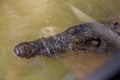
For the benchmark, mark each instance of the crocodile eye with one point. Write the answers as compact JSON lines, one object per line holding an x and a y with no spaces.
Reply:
{"x":77,"y":42}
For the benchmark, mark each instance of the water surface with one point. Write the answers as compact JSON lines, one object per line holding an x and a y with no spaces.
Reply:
{"x":26,"y":20}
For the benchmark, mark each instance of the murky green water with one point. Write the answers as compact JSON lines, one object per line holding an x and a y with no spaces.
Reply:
{"x":26,"y":20}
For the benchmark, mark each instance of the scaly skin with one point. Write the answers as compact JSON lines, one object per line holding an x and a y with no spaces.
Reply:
{"x":81,"y":37}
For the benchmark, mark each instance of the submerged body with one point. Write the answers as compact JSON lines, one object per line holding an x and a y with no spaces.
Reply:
{"x":81,"y":37}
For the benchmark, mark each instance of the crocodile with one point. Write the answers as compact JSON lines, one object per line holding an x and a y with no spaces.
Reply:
{"x":76,"y":38}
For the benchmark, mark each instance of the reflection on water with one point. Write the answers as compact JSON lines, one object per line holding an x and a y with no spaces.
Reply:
{"x":25,"y":20}
{"x":83,"y":17}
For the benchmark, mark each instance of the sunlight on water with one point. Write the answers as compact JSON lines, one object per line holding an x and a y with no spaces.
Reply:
{"x":27,"y":20}
{"x":81,"y":15}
